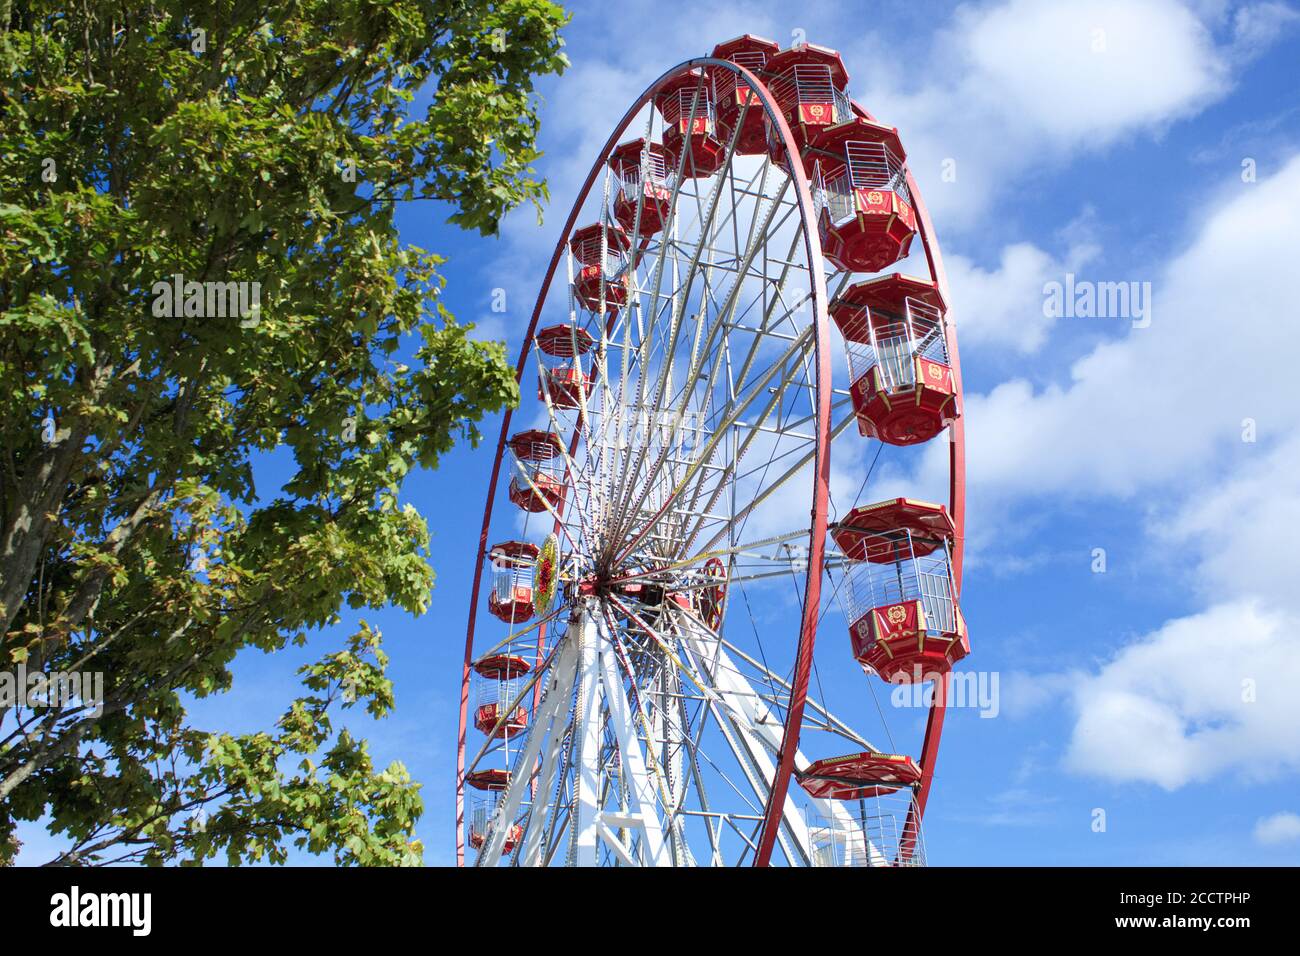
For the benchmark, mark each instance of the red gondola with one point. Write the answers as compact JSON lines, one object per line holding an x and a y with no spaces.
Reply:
{"x":538,"y":476}
{"x":735,"y":102}
{"x":904,"y":620}
{"x":511,"y":597}
{"x":865,"y":210}
{"x":897,"y":342}
{"x":690,"y":124}
{"x":808,"y":82}
{"x":644,"y":173}
{"x":859,"y":776}
{"x":564,"y":374}
{"x":601,"y":252}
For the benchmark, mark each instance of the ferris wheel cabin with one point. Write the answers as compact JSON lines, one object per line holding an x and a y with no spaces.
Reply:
{"x":644,"y":174}
{"x":601,"y":252}
{"x":482,"y":810}
{"x":499,"y":679}
{"x":905,"y":624}
{"x":858,"y":776}
{"x":537,"y":483}
{"x":900,"y":375}
{"x":734,"y":101}
{"x":865,"y":210}
{"x":690,"y":124}
{"x":808,"y":83}
{"x":511,"y":597}
{"x":564,"y":376}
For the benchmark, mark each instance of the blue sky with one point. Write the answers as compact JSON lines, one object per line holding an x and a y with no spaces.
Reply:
{"x":1103,"y":139}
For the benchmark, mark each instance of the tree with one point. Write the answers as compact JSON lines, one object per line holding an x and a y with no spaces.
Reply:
{"x":199,"y":264}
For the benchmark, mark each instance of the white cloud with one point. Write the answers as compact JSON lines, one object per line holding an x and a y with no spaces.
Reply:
{"x":1204,"y":697}
{"x":489,"y":327}
{"x":1015,"y":89}
{"x":1149,"y":408}
{"x":1024,"y":694}
{"x":1090,"y":70}
{"x":1238,"y":532}
{"x":1279,"y":828}
{"x":1158,"y":412}
{"x":1003,"y":307}
{"x":1257,"y":26}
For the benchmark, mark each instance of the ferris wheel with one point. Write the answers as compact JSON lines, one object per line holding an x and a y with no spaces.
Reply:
{"x":661,"y":546}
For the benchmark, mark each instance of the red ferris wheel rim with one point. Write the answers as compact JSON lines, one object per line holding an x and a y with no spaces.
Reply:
{"x":799,"y":685}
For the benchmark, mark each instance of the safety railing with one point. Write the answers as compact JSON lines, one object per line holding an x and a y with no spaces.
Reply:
{"x":810,"y":83}
{"x":873,"y":831}
{"x":894,"y":341}
{"x":895,"y":572}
